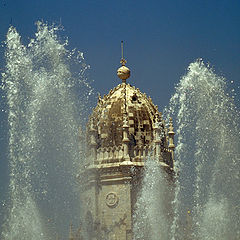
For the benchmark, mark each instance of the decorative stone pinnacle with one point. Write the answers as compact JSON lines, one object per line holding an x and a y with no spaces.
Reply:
{"x":170,"y":126}
{"x":171,"y":135}
{"x":125,"y":120}
{"x":99,"y":97}
{"x":92,"y":127}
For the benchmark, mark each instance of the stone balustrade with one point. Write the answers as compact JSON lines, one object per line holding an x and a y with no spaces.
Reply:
{"x":141,"y":152}
{"x":110,"y":154}
{"x":116,"y":154}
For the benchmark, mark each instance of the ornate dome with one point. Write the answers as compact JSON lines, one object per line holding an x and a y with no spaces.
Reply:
{"x":125,"y":108}
{"x":109,"y":115}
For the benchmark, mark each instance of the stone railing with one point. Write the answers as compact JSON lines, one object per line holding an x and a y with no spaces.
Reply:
{"x":110,"y":154}
{"x":115,"y":154}
{"x":141,"y":152}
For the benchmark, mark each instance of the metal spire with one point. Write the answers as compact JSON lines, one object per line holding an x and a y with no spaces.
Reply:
{"x":123,"y":61}
{"x":123,"y":72}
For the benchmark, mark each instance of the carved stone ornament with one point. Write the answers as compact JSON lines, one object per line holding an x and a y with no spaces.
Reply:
{"x":112,"y":199}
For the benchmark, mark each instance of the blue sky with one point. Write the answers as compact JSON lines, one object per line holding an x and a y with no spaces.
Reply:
{"x":161,"y":39}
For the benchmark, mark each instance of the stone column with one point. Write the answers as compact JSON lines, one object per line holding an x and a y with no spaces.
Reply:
{"x":171,"y":133}
{"x":157,"y":138}
{"x":93,"y":143}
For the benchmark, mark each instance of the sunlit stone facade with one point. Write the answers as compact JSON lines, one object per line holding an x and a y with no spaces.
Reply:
{"x":123,"y":129}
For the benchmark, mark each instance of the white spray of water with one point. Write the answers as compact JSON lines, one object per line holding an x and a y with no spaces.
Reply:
{"x":44,"y":144}
{"x":207,"y":155}
{"x":152,"y":216}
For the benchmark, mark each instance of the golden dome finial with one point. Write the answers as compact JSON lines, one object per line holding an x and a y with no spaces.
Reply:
{"x":123,"y":72}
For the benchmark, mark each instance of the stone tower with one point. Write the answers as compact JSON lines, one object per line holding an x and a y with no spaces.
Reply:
{"x":123,"y":129}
